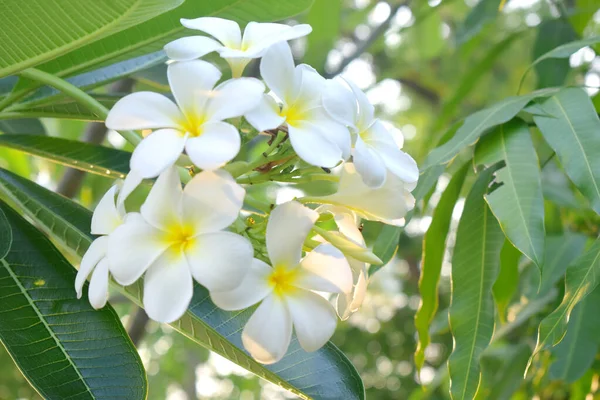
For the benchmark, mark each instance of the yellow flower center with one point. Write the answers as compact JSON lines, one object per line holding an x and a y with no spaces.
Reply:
{"x":179,"y":237}
{"x":193,"y":123}
{"x":282,"y":279}
{"x":293,"y":115}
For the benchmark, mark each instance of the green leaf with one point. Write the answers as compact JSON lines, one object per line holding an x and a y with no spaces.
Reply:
{"x":323,"y":374}
{"x":484,"y":12}
{"x":431,"y":265}
{"x":63,"y":108}
{"x":519,"y":203}
{"x":502,"y":371}
{"x":427,"y":34}
{"x":559,"y":253}
{"x":585,"y":11}
{"x":552,"y":34}
{"x":5,"y":235}
{"x":87,"y":157}
{"x":324,"y":17}
{"x":475,"y":265}
{"x":508,"y":279}
{"x":385,"y":245}
{"x":577,"y":351}
{"x":581,"y":279}
{"x":37,"y":31}
{"x":47,"y":330}
{"x":28,"y":126}
{"x":571,"y":129}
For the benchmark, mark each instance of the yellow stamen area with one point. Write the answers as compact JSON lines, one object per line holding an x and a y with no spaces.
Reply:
{"x":292,"y":115}
{"x":282,"y":279}
{"x":179,"y":237}
{"x":193,"y":123}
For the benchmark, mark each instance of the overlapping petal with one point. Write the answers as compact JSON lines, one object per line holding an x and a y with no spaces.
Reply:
{"x":191,"y":47}
{"x":192,"y":84}
{"x":325,"y":269}
{"x":98,"y":290}
{"x":144,"y":110}
{"x":106,"y":217}
{"x":218,"y":144}
{"x":266,"y":115}
{"x":162,"y":207}
{"x":226,"y":31}
{"x":96,"y":252}
{"x":369,"y":165}
{"x":313,"y":146}
{"x":250,"y":291}
{"x":278,"y":71}
{"x":313,"y":317}
{"x":157,"y":152}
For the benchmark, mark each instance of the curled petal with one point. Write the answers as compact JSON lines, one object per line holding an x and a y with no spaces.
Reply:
{"x":325,"y":269}
{"x":132,"y":181}
{"x":162,"y":207}
{"x":157,"y":152}
{"x":340,"y":103}
{"x":144,"y":110}
{"x":369,"y":165}
{"x":366,"y":111}
{"x":226,"y":31}
{"x":259,"y":36}
{"x":313,"y":317}
{"x":91,"y":258}
{"x":106,"y":217}
{"x":266,"y":115}
{"x":234,"y":98}
{"x":253,"y":289}
{"x":312,"y":146}
{"x":191,"y":47}
{"x":191,"y":83}
{"x":98,"y":290}
{"x":218,"y":144}
{"x":333,"y":131}
{"x":348,"y":303}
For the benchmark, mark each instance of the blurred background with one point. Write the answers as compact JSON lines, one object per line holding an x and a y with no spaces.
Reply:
{"x":424,"y":64}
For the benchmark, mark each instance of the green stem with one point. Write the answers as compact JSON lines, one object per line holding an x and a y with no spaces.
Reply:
{"x":263,"y":206}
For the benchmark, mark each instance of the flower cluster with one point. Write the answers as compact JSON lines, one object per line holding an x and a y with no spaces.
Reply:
{"x":305,"y":267}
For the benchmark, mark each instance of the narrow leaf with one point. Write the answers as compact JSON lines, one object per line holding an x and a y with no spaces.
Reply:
{"x":503,"y":368}
{"x":28,"y":126}
{"x":63,"y":108}
{"x":5,"y":235}
{"x":475,"y":265}
{"x":560,"y":252}
{"x":552,"y":34}
{"x":508,"y":279}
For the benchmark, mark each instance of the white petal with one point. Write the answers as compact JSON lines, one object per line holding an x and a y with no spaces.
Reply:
{"x":369,"y":164}
{"x":287,"y":229}
{"x":191,"y":83}
{"x":366,"y":110}
{"x":400,"y":163}
{"x":228,"y":32}
{"x":143,"y":110}
{"x":312,"y":146}
{"x":234,"y":98}
{"x":98,"y":290}
{"x":333,"y":131}
{"x":212,"y":201}
{"x":218,"y":144}
{"x":265,"y":115}
{"x":162,"y":207}
{"x":278,"y":71}
{"x":311,"y":88}
{"x":91,"y":258}
{"x":106,"y":217}
{"x":132,"y":181}
{"x":339,"y":101}
{"x":268,"y":332}
{"x":314,"y":319}
{"x":259,"y":36}
{"x":168,"y":288}
{"x":253,"y":289}
{"x":132,"y":248}
{"x":219,"y":261}
{"x":348,"y":303}
{"x":157,"y":152}
{"x":325,"y":269}
{"x":191,"y":47}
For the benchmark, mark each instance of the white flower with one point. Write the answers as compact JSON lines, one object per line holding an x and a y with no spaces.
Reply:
{"x":286,"y":289}
{"x":387,"y":204}
{"x":235,"y":49}
{"x":375,"y":150}
{"x":195,"y":123}
{"x":314,"y":135}
{"x":107,"y":216}
{"x":179,"y":235}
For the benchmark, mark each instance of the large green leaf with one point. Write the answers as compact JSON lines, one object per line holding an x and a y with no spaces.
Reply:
{"x":559,"y":253}
{"x":502,"y":371}
{"x":37,"y":31}
{"x":324,"y":374}
{"x":87,"y":157}
{"x":581,"y":279}
{"x":577,"y":351}
{"x":519,"y":203}
{"x":64,"y":347}
{"x":475,"y":265}
{"x":552,"y":34}
{"x":508,"y":278}
{"x":62,"y":107}
{"x":28,"y":126}
{"x":5,"y":235}
{"x":433,"y":255}
{"x":570,"y":126}
{"x":385,"y":246}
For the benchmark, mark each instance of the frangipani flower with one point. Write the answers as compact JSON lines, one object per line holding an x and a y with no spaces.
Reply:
{"x":238,"y":51}
{"x":315,"y":136}
{"x":286,"y":289}
{"x":194,"y":123}
{"x":107,"y":216}
{"x":387,"y":204}
{"x":179,"y":235}
{"x":375,"y":151}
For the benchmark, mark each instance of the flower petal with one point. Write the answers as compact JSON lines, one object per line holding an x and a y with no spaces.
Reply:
{"x":312,"y":146}
{"x":157,"y":152}
{"x":369,"y":164}
{"x":268,"y":332}
{"x":132,"y":248}
{"x":348,"y":303}
{"x":311,"y":88}
{"x":265,"y":115}
{"x":132,"y":181}
{"x":325,"y":269}
{"x":218,"y":144}
{"x":219,"y":261}
{"x":191,"y":47}
{"x":366,"y":111}
{"x":278,"y":71}
{"x":340,"y":103}
{"x":191,"y":83}
{"x":91,"y":258}
{"x":253,"y":289}
{"x":168,"y":288}
{"x":162,"y":207}
{"x":234,"y":98}
{"x":287,"y":229}
{"x":98,"y":290}
{"x":106,"y":217}
{"x":212,"y":201}
{"x":333,"y":131}
{"x":259,"y":36}
{"x":314,"y":319}
{"x":226,"y":31}
{"x":144,"y":110}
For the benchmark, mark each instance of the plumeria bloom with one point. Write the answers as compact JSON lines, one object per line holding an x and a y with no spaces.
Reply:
{"x":286,"y":290}
{"x":179,"y":235}
{"x":238,"y":51}
{"x":107,"y":216}
{"x":375,"y":151}
{"x":315,"y":136}
{"x":195,"y":123}
{"x":388,"y":204}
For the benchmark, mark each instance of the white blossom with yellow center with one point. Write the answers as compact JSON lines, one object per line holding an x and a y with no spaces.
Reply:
{"x":179,"y":235}
{"x":286,"y":291}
